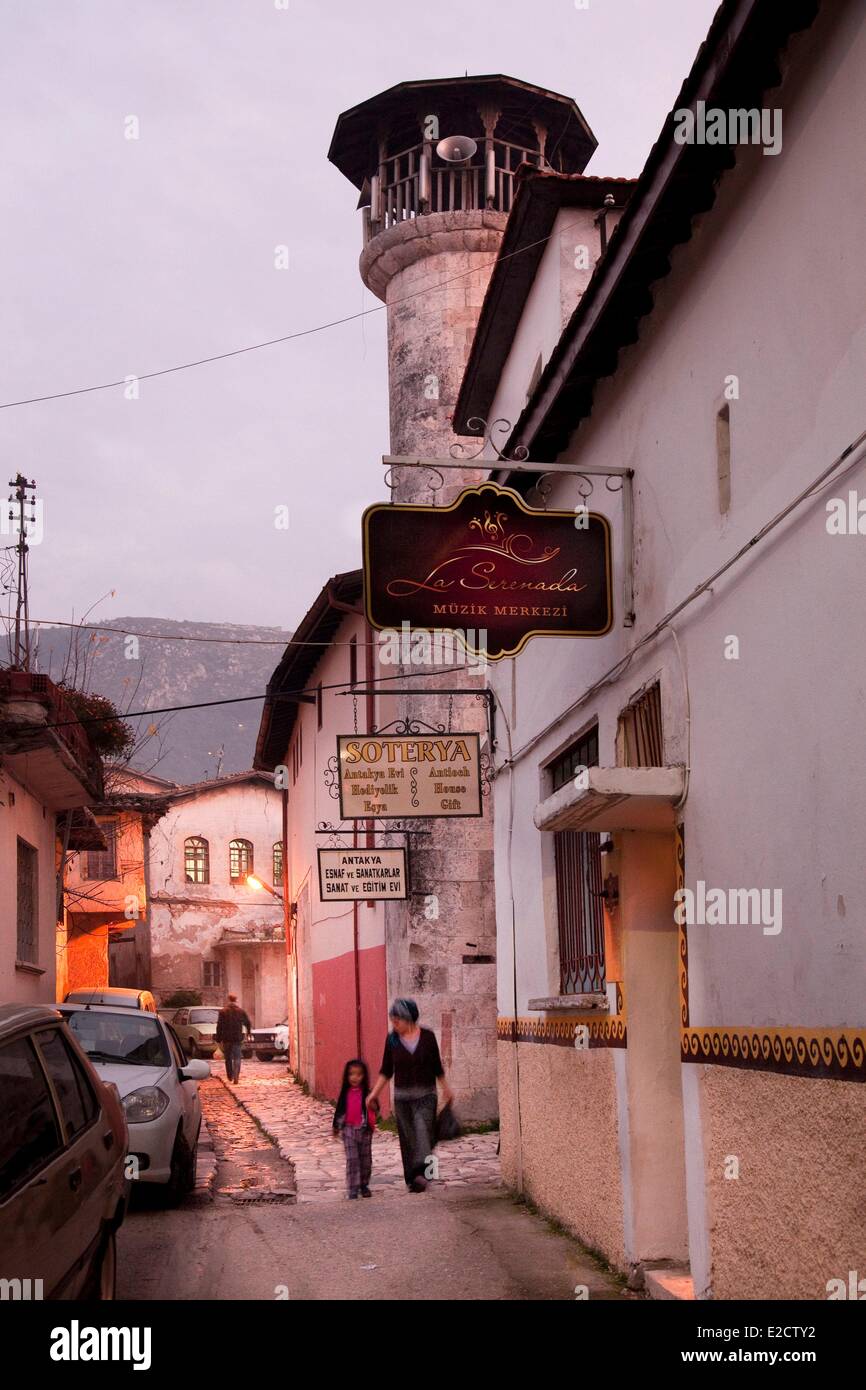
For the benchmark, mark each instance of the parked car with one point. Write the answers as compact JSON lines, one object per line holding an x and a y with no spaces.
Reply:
{"x":120,"y":998}
{"x":196,"y":1028}
{"x":143,"y":1057}
{"x":63,"y":1138}
{"x":269,"y":1043}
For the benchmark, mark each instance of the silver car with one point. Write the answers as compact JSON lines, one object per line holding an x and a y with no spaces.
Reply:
{"x":63,"y":1187}
{"x":158,"y":1088}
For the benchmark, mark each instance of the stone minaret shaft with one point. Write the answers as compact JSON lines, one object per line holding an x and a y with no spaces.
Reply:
{"x":434,"y":209}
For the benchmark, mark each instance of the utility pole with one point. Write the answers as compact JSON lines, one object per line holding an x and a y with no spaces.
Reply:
{"x":19,"y":499}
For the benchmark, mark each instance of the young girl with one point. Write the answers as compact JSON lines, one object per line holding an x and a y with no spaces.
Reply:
{"x":356,"y":1124}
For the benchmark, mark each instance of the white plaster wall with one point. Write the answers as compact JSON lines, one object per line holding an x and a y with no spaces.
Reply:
{"x":552,"y":299}
{"x":769,"y":290}
{"x":35,"y":824}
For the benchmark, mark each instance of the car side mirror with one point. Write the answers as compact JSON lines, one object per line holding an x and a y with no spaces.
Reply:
{"x":196,"y":1070}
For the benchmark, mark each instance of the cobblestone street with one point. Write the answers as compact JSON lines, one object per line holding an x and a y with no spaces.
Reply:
{"x":268,"y":1219}
{"x":300,"y":1126}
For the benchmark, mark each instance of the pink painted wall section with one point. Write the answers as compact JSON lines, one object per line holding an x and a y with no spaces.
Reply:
{"x":334,"y":1015}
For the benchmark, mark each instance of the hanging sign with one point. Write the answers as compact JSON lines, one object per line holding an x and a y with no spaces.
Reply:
{"x":346,"y":874}
{"x":399,"y":775}
{"x":488,"y":568}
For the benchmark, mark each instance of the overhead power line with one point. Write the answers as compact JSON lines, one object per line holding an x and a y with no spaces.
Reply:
{"x":269,"y":342}
{"x":245,"y":699}
{"x":178,"y":637}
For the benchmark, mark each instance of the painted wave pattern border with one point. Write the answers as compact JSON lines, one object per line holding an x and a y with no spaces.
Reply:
{"x":834,"y":1054}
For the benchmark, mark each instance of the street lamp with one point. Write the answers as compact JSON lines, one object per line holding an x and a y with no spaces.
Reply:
{"x":253,"y":882}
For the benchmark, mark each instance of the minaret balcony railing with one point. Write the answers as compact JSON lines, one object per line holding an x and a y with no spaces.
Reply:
{"x":415,"y":182}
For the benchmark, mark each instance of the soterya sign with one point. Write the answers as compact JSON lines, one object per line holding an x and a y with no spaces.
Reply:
{"x":490,"y":568}
{"x":409,"y":775}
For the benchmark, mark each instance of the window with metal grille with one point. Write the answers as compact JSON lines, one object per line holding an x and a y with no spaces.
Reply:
{"x":639,"y":737}
{"x":28,"y":898}
{"x":584,"y":753}
{"x":196,"y":859}
{"x":278,"y":863}
{"x":240,"y":860}
{"x":579,"y":911}
{"x":213,"y":974}
{"x":102,"y":863}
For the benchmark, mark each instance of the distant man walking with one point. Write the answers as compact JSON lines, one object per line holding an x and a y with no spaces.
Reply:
{"x":229,"y":1035}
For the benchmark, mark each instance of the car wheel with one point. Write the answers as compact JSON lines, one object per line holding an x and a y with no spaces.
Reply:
{"x":184,"y":1161}
{"x":191,"y":1050}
{"x":103,"y":1273}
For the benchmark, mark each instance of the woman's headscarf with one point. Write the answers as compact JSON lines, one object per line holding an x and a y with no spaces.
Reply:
{"x":406,"y":1009}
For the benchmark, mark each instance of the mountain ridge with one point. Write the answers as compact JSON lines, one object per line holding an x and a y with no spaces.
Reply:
{"x":184,"y":662}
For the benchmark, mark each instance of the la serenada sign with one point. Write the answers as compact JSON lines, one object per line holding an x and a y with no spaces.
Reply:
{"x":489,"y":568}
{"x":400,"y":776}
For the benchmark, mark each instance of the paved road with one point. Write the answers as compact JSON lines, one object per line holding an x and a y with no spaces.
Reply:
{"x":243,"y":1235}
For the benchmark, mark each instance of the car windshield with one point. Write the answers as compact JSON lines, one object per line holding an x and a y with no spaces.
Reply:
{"x":203,"y":1015}
{"x":133,"y":1039}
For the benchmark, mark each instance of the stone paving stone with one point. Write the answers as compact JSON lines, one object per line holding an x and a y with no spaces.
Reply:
{"x":300,"y":1126}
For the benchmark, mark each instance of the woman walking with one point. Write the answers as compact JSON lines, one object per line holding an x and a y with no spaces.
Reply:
{"x":412,"y":1059}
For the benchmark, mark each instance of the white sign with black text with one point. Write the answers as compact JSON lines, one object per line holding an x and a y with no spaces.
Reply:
{"x":347,"y":874}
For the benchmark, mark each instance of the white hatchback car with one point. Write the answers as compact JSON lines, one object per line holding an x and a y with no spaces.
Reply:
{"x":158,"y":1087}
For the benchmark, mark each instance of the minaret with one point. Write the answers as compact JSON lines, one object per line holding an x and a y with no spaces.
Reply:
{"x":435,"y":163}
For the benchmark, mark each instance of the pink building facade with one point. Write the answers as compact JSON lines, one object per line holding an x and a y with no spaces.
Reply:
{"x":337,"y":972}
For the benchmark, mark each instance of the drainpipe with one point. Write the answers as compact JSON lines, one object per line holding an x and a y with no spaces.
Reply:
{"x":61,"y":872}
{"x":356,"y":610}
{"x":291,"y":943}
{"x":61,"y":915}
{"x":144,"y":940}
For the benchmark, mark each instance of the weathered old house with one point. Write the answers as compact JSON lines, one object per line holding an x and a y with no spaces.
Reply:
{"x":211,"y":930}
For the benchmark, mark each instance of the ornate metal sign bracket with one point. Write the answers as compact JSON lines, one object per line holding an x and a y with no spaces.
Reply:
{"x":336,"y":832}
{"x":411,"y":725}
{"x":616,"y":480}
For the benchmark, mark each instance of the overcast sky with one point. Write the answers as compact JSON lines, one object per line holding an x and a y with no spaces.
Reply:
{"x":124,"y":256}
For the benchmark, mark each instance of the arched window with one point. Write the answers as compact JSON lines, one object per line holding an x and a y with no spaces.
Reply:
{"x":196,"y":857}
{"x":240,"y":860}
{"x":278,"y":863}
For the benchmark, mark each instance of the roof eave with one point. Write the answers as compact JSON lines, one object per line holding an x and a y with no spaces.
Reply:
{"x":671,"y":169}
{"x":541,"y":195}
{"x":297,"y":663}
